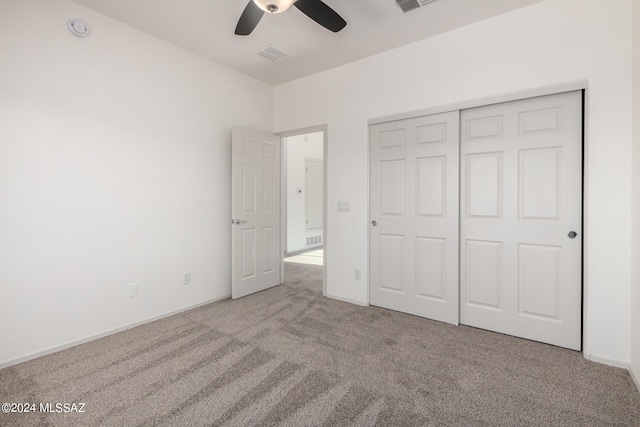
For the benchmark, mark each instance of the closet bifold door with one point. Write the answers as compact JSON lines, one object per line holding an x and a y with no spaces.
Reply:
{"x":521,"y":218}
{"x":414,"y":216}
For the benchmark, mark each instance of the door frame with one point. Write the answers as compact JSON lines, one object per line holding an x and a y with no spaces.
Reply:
{"x":581,"y":85}
{"x":283,"y":194}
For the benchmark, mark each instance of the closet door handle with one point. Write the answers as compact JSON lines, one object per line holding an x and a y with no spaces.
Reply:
{"x":572,"y":234}
{"x":374,"y":223}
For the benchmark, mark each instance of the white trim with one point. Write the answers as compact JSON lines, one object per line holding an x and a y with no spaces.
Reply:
{"x":283,"y":203}
{"x":325,"y":201}
{"x":69,"y":344}
{"x":606,"y":361}
{"x":634,"y":376}
{"x":349,"y":300}
{"x":368,"y":239}
{"x":481,"y":102}
{"x":586,"y":253}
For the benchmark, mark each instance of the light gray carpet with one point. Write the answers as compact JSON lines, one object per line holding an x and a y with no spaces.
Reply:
{"x":288,"y":356}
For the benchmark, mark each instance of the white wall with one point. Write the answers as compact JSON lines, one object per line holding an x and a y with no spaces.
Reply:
{"x":553,"y":42}
{"x":299,"y":148}
{"x":635,"y":278}
{"x":114,"y":168}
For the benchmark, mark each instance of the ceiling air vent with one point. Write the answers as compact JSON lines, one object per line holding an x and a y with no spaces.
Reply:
{"x":409,"y":5}
{"x":272,"y":53}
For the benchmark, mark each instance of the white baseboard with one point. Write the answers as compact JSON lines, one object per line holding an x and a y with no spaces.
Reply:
{"x":83,"y":340}
{"x":606,"y":361}
{"x":349,"y":300}
{"x":634,"y":376}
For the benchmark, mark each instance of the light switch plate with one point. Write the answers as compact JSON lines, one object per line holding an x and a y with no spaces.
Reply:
{"x":344,"y":207}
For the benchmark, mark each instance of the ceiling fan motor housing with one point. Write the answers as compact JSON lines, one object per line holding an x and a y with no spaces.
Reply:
{"x":274,"y":6}
{"x":314,"y":9}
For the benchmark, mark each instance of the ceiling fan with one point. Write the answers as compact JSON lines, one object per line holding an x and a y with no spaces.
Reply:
{"x":314,"y":9}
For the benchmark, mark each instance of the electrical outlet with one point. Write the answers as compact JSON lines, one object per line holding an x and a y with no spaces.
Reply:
{"x":187,"y":278}
{"x":357,"y":275}
{"x":133,"y":290}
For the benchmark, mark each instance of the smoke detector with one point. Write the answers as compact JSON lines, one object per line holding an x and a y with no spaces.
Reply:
{"x":78,"y":27}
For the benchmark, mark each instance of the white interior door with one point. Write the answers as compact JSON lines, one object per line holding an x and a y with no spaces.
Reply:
{"x":255,"y":212}
{"x":521,"y":202}
{"x":414,"y":236}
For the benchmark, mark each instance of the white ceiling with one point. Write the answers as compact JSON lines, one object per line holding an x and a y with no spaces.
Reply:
{"x":207,"y":27}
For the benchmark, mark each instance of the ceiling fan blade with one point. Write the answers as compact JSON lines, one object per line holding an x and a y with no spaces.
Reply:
{"x":322,"y":14}
{"x":249,"y":19}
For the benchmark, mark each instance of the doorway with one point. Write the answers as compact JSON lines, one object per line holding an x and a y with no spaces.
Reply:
{"x":304,"y":212}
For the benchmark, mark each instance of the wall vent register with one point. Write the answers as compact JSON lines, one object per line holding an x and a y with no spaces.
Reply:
{"x":409,"y":5}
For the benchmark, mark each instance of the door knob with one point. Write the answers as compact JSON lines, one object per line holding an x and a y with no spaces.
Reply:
{"x":572,"y":234}
{"x":238,"y":222}
{"x":374,"y":223}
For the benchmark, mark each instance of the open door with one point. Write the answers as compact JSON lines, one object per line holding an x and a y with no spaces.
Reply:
{"x":255,"y":212}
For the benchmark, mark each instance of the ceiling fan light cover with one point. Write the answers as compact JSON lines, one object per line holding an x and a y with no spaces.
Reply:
{"x":274,"y":6}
